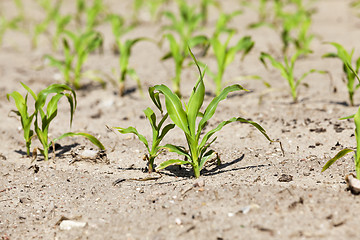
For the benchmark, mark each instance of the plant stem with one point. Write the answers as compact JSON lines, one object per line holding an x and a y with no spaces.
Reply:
{"x":151,"y":163}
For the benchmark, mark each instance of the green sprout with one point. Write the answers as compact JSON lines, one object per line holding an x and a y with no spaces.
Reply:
{"x":124,"y":48}
{"x":153,"y":6}
{"x":83,"y":44}
{"x":299,"y":21}
{"x":345,"y":151}
{"x":186,"y":120}
{"x":186,"y":23}
{"x":157,"y":134}
{"x":204,"y":8}
{"x":25,"y":118}
{"x":349,"y":70}
{"x":13,"y":23}
{"x":94,"y":14}
{"x":45,"y":114}
{"x":225,"y":55}
{"x":287,"y":70}
{"x":179,"y":53}
{"x":51,"y":13}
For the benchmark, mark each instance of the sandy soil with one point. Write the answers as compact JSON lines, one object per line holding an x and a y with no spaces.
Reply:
{"x":244,"y":198}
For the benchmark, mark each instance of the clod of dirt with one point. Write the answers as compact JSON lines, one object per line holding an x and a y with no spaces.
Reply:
{"x":338,"y":128}
{"x":353,"y":183}
{"x":89,"y":155}
{"x":285,"y":178}
{"x":294,"y":204}
{"x":318,"y":130}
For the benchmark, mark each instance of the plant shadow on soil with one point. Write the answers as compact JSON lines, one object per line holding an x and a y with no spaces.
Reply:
{"x":61,"y":149}
{"x":178,"y":171}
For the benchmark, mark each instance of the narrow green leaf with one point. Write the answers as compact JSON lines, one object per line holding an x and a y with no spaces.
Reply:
{"x":90,"y":137}
{"x":177,"y":149}
{"x":171,"y":162}
{"x":210,"y":110}
{"x":134,"y":131}
{"x":174,"y":108}
{"x":337,"y":156}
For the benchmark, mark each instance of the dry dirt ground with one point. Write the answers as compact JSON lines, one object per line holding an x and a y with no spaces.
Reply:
{"x":257,"y":193}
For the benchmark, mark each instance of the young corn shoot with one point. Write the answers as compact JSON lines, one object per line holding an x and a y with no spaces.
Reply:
{"x":186,"y":119}
{"x":124,"y":48}
{"x":25,"y":117}
{"x":178,"y":52}
{"x":71,"y":66}
{"x":157,"y":135}
{"x":287,"y":70}
{"x":225,"y":55}
{"x":51,"y":13}
{"x":345,"y":151}
{"x":45,"y":114}
{"x":350,"y":71}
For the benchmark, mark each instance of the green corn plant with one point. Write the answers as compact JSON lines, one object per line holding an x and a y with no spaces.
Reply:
{"x":345,"y":151}
{"x":157,"y":136}
{"x":349,"y":70}
{"x":71,"y":66}
{"x":223,"y":21}
{"x":51,"y":13}
{"x":124,"y":47}
{"x":178,"y":53}
{"x":25,"y":117}
{"x":186,"y":23}
{"x":292,"y":22}
{"x":186,"y":119}
{"x":287,"y":70}
{"x":264,"y":14}
{"x":225,"y":55}
{"x":94,"y":14}
{"x":6,"y":24}
{"x":204,"y":8}
{"x":152,"y":6}
{"x":45,"y":114}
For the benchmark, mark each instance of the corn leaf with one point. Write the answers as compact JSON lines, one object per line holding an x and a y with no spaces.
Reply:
{"x":134,"y":131}
{"x":171,"y":162}
{"x":337,"y":156}
{"x":174,"y":108}
{"x":90,"y":137}
{"x":211,"y":108}
{"x":177,"y":149}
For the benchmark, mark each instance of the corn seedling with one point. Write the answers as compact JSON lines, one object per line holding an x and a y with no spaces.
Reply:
{"x":13,"y":23}
{"x":345,"y":151}
{"x":186,"y":119}
{"x":152,"y":6}
{"x":94,"y":14}
{"x":124,"y":48}
{"x":287,"y":70}
{"x":350,"y":71}
{"x":83,"y":44}
{"x":178,"y":52}
{"x":204,"y":8}
{"x":51,"y":13}
{"x":157,"y":135}
{"x":45,"y":114}
{"x":25,"y":118}
{"x":299,"y":21}
{"x":225,"y":55}
{"x":6,"y":24}
{"x":263,"y":11}
{"x":186,"y":23}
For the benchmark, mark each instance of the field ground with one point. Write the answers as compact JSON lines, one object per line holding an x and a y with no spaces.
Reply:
{"x":257,"y":192}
